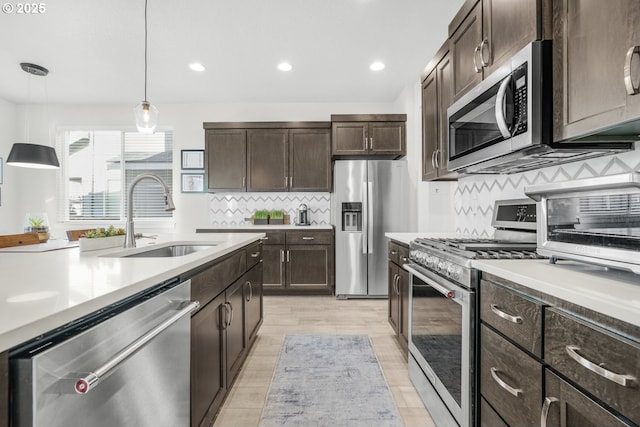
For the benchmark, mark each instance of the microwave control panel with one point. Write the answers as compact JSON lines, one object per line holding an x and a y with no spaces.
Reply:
{"x":519,"y":76}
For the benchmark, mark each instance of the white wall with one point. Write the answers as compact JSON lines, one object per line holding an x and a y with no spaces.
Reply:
{"x":10,"y":217}
{"x":38,"y":189}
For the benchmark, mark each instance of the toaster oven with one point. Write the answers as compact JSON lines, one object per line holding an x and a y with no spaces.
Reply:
{"x":594,"y":220}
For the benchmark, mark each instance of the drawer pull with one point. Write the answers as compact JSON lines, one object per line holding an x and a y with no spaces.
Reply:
{"x":255,"y":255}
{"x":623,"y":380}
{"x":264,"y":238}
{"x":544,"y":414}
{"x":510,"y":318}
{"x":308,"y":238}
{"x":514,"y":391}
{"x":405,"y":259}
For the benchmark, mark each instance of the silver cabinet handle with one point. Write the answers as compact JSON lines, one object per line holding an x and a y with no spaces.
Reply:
{"x":437,"y":162}
{"x":395,"y":282}
{"x":88,"y":382}
{"x":370,"y":143}
{"x":288,"y":256}
{"x":365,"y":144}
{"x":250,"y":286}
{"x":231,"y":316}
{"x":244,"y":181}
{"x":628,"y":80}
{"x":264,"y":238}
{"x":499,"y":108}
{"x":405,"y":259}
{"x":281,"y":255}
{"x":513,"y":391}
{"x":482,"y":61}
{"x":475,"y":59}
{"x":393,"y":253}
{"x":505,"y":316}
{"x":255,"y":255}
{"x":433,"y":161}
{"x":544,"y":414}
{"x":286,"y":182}
{"x":308,"y":238}
{"x":398,"y":278}
{"x":623,"y":380}
{"x":291,"y":182}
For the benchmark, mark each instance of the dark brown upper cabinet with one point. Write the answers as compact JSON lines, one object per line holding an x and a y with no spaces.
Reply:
{"x":355,"y":135}
{"x":310,"y":160}
{"x":267,"y":160}
{"x":268,"y":156}
{"x":484,"y":34}
{"x":436,"y":98}
{"x":596,"y":73}
{"x":226,"y":165}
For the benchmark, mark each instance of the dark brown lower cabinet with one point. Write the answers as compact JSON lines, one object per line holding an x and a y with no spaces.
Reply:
{"x":403,"y":284}
{"x":233,"y":317}
{"x":4,"y":389}
{"x":208,"y":383}
{"x":565,"y":406}
{"x":273,"y":272}
{"x":253,"y":303}
{"x":309,"y":266}
{"x":489,"y":417}
{"x":398,"y":291}
{"x":394,"y":296}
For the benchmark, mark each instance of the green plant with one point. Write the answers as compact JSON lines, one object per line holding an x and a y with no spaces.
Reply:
{"x":261,"y":214}
{"x":35,"y":222}
{"x":276,"y":214}
{"x":104,"y":232}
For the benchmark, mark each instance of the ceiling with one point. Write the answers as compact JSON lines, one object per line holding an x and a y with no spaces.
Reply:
{"x":95,"y":50}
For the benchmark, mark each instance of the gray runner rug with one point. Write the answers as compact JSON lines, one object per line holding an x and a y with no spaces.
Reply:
{"x":329,"y":380}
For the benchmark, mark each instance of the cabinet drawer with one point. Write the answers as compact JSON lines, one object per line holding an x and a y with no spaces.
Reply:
{"x":253,"y":254}
{"x":308,"y":237}
{"x":605,"y":364}
{"x":209,"y":283}
{"x":515,"y":315}
{"x":273,"y":238}
{"x":564,"y":402}
{"x":394,"y":252}
{"x":510,"y":380}
{"x":403,"y":255}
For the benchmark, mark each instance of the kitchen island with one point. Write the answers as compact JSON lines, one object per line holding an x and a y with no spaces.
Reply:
{"x":45,"y":291}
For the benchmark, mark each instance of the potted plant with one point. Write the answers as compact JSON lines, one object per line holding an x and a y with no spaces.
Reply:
{"x":37,"y":223}
{"x":276,"y":216}
{"x":102,"y":238}
{"x":261,"y":217}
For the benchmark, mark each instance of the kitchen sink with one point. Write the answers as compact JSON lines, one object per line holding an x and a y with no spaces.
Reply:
{"x":170,"y":251}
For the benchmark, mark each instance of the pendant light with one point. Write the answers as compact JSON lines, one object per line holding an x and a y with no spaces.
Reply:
{"x":33,"y":155}
{"x":145,"y":113}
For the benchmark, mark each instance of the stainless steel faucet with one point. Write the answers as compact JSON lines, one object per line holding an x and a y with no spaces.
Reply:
{"x":130,"y":240}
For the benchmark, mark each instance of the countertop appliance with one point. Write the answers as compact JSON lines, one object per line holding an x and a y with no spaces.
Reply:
{"x":594,"y":220}
{"x":504,"y":124}
{"x":370,"y":198}
{"x":443,"y":313}
{"x":125,"y":365}
{"x":303,"y":215}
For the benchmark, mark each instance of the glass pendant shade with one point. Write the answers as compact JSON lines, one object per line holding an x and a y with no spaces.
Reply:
{"x":146,"y":117}
{"x":33,"y":156}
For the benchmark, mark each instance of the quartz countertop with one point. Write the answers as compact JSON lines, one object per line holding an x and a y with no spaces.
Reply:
{"x":613,"y":293}
{"x":41,"y":291}
{"x":222,"y":228}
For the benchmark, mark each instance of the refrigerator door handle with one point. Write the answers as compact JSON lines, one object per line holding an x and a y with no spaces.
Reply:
{"x":370,"y":210}
{"x":365,"y":218}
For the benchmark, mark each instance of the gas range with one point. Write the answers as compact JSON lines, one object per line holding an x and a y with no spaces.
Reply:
{"x":515,"y":238}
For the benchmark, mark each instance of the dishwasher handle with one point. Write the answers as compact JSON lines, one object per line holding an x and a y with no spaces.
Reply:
{"x":91,"y":379}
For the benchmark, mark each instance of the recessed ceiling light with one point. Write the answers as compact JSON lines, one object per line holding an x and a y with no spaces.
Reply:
{"x":284,"y":66}
{"x":196,"y":66}
{"x":377,"y":66}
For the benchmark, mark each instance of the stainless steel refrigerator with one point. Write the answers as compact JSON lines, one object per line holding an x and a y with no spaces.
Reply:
{"x":369,"y":199}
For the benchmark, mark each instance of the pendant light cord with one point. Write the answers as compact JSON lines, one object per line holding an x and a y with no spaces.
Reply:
{"x":145,"y":50}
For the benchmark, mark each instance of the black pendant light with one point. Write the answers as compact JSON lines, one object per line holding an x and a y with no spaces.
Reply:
{"x":33,"y":155}
{"x":145,"y":113}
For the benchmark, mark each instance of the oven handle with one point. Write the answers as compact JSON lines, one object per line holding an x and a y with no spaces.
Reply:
{"x":501,"y":121}
{"x":449,"y":293}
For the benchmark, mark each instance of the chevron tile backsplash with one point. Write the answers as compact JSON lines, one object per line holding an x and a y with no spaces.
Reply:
{"x":233,"y":208}
{"x":475,"y":195}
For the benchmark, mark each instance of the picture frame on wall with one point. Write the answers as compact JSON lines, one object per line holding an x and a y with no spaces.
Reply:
{"x":192,"y":159}
{"x":192,"y":183}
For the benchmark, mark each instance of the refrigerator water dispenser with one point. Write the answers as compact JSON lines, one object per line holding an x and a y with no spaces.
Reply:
{"x":352,"y":216}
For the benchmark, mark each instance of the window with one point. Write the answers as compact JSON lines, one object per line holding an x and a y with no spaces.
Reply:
{"x":100,"y":165}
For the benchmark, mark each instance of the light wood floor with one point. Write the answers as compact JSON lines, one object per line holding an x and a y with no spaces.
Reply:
{"x":318,"y":315}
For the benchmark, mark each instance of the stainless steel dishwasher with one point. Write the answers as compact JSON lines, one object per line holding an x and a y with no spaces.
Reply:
{"x":126,"y":365}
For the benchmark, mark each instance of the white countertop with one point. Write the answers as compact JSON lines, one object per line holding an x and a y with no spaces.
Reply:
{"x":406,"y":238}
{"x":268,"y":227}
{"x":614,"y":293}
{"x":41,"y":291}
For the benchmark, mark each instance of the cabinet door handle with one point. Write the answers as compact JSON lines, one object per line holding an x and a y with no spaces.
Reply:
{"x":255,"y":255}
{"x":281,"y":255}
{"x":482,"y":45}
{"x":248,"y":285}
{"x":405,"y":259}
{"x":230,"y":317}
{"x":285,"y":182}
{"x":288,"y":256}
{"x":398,"y":284}
{"x":514,"y":391}
{"x":308,"y":238}
{"x":505,"y":316}
{"x":436,"y":155}
{"x":433,"y":161}
{"x":291,"y":182}
{"x":370,"y":143}
{"x":264,"y":238}
{"x":623,"y":380}
{"x":244,"y":181}
{"x":475,"y":59}
{"x":392,"y":253}
{"x":628,"y":80}
{"x":365,"y":144}
{"x":544,"y":414}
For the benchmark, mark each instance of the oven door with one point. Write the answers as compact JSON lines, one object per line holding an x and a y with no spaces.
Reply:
{"x":441,"y":339}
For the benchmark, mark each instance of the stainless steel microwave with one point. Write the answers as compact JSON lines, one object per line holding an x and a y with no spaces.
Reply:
{"x":505,"y":123}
